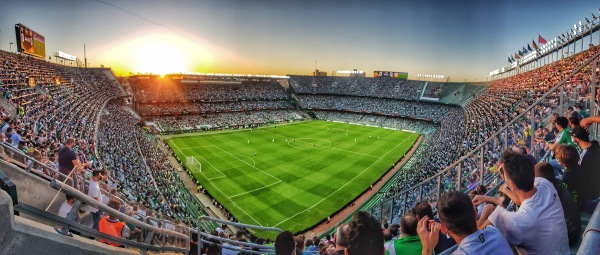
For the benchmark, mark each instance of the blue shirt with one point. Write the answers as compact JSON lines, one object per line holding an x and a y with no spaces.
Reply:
{"x":486,"y":241}
{"x":16,"y":139}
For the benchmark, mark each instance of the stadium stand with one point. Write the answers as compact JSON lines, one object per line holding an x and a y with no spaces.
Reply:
{"x":49,"y":110}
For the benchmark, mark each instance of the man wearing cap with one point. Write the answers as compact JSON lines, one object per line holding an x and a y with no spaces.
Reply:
{"x":589,"y":158}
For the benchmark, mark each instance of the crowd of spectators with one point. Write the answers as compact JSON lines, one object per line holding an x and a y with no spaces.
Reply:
{"x":382,"y":87}
{"x":224,"y":120}
{"x":141,"y":169}
{"x":420,"y":110}
{"x":418,"y":126}
{"x":433,"y":89}
{"x":54,"y":103}
{"x":196,"y":108}
{"x":170,"y":91}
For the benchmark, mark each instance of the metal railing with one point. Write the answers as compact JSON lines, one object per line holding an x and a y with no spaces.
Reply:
{"x":472,"y":164}
{"x":590,"y":243}
{"x":212,"y":240}
{"x":153,"y":239}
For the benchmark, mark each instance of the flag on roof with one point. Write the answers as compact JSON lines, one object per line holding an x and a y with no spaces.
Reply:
{"x":534,"y":45}
{"x":517,"y":56}
{"x":541,"y":39}
{"x":529,"y":47}
{"x":509,"y":61}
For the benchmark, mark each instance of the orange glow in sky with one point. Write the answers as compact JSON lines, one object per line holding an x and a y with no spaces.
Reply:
{"x":157,"y":54}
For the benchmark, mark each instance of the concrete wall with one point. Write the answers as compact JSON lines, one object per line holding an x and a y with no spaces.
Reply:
{"x":31,"y":189}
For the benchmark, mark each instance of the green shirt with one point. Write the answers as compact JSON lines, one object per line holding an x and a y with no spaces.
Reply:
{"x":565,"y":138}
{"x":406,"y":245}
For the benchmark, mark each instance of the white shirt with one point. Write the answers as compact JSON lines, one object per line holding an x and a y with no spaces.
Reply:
{"x":64,"y":210}
{"x":486,"y":241}
{"x":539,"y":225}
{"x":94,"y":192}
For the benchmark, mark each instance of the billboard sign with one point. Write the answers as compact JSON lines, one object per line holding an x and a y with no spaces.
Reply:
{"x":30,"y":42}
{"x":395,"y":75}
{"x":66,"y":56}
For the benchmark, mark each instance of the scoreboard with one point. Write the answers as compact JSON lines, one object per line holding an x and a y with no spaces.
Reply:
{"x":30,"y":42}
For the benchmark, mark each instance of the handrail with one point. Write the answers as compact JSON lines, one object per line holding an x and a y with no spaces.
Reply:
{"x":591,"y":235}
{"x":240,"y":224}
{"x":268,"y":248}
{"x":13,"y":149}
{"x":92,"y":202}
{"x":209,"y":236}
{"x":235,"y":248}
{"x":505,"y":127}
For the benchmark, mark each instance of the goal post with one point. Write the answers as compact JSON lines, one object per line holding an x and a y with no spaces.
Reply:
{"x":193,"y":164}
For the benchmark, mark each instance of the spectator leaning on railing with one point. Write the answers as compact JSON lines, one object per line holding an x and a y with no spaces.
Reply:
{"x":538,"y":227}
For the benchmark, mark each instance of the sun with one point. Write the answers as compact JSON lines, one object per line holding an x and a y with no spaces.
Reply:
{"x":159,"y":56}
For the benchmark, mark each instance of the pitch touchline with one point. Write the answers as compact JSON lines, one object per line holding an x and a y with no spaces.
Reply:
{"x":351,"y":180}
{"x":216,"y":187}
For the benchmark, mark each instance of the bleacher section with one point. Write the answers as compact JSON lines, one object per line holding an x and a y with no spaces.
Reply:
{"x":459,"y":151}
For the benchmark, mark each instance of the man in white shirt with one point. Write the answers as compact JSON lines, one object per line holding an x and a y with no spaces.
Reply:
{"x":65,"y":208}
{"x":459,"y":220}
{"x":538,"y":227}
{"x":94,"y":192}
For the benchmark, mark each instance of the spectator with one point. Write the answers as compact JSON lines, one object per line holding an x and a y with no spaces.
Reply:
{"x":65,"y":208}
{"x":341,"y":239}
{"x":562,"y":125}
{"x":573,"y":178}
{"x":395,"y":231}
{"x":589,"y":159}
{"x":67,"y":160}
{"x":310,"y":247}
{"x":423,"y":209}
{"x":364,"y":235}
{"x":409,"y":242}
{"x":285,"y":243}
{"x":458,"y":219}
{"x":94,"y":192}
{"x":111,"y":225}
{"x":570,"y":208}
{"x":538,"y":227}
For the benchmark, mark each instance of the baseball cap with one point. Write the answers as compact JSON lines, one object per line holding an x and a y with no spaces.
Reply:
{"x":580,"y":133}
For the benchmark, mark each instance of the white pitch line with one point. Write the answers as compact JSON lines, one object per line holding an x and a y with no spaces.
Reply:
{"x":217,"y":187}
{"x":253,"y":162}
{"x":248,"y":164}
{"x":241,"y":194}
{"x":195,"y":147}
{"x":356,"y":152}
{"x":223,"y":175}
{"x":329,"y":147}
{"x":351,"y":180}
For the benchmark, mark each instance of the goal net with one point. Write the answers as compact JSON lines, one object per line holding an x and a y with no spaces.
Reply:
{"x":193,"y":164}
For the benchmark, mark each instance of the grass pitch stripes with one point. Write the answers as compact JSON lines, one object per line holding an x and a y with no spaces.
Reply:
{"x":292,"y":176}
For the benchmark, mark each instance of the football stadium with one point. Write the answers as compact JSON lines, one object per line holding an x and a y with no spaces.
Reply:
{"x":299,"y":127}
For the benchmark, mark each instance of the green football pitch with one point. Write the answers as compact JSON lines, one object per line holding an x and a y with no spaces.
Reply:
{"x":295,"y":175}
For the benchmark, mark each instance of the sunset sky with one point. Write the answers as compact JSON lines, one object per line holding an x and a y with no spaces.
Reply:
{"x":463,"y":39}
